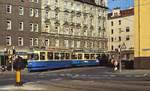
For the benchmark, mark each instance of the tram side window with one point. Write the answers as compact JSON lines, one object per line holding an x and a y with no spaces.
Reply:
{"x":98,"y":55}
{"x":62,"y":55}
{"x":50,"y":55}
{"x":86,"y":56}
{"x":67,"y":56}
{"x":79,"y":56}
{"x":42,"y":55}
{"x":36,"y":57}
{"x":56,"y":55}
{"x":92,"y":56}
{"x":73,"y":56}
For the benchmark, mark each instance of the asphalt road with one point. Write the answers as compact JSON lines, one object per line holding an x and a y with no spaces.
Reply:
{"x":76,"y":79}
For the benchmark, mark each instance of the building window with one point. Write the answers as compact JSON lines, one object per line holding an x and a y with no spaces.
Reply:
{"x":86,"y":44}
{"x":22,"y":0}
{"x":36,"y":28}
{"x":36,"y":42}
{"x":36,"y":13}
{"x":72,"y":44}
{"x":119,"y":38}
{"x":20,"y":41}
{"x":127,"y":37}
{"x":21,"y":26}
{"x":119,"y":22}
{"x":8,"y":40}
{"x":8,"y":8}
{"x":112,"y":31}
{"x":120,"y":30}
{"x":31,"y":41}
{"x":112,"y":23}
{"x":31,"y":12}
{"x":112,"y":39}
{"x":36,"y":1}
{"x":57,"y":43}
{"x":66,"y":43}
{"x":127,"y":29}
{"x":31,"y":0}
{"x":119,"y":46}
{"x":31,"y":27}
{"x":46,"y":42}
{"x":56,"y":28}
{"x":56,"y":1}
{"x":78,"y":44}
{"x":21,"y":10}
{"x":8,"y":24}
{"x":112,"y":47}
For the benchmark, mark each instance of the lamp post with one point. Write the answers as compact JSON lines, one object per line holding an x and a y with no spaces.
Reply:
{"x":123,"y":46}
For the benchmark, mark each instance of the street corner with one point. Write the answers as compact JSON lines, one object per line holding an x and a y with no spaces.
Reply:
{"x":27,"y":86}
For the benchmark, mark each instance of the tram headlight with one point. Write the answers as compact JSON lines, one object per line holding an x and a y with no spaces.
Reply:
{"x":97,"y":61}
{"x":86,"y":61}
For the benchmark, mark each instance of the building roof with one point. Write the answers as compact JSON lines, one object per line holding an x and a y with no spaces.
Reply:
{"x":123,"y":13}
{"x":91,"y":2}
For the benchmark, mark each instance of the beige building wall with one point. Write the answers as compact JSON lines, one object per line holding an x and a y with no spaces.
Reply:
{"x":121,"y":32}
{"x":142,"y":34}
{"x":71,"y":24}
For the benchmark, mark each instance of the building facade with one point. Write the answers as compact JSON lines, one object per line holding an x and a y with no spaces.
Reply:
{"x":142,"y":34}
{"x":74,"y":25}
{"x":121,"y":32}
{"x":20,"y":25}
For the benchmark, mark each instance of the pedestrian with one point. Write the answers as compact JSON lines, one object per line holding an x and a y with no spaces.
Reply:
{"x":115,"y":64}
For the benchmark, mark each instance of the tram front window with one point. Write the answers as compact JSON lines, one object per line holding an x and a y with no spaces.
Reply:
{"x":33,"y":57}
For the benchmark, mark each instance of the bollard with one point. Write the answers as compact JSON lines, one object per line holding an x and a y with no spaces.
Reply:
{"x":18,"y":78}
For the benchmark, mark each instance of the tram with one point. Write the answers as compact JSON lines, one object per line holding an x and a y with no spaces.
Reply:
{"x":45,"y":60}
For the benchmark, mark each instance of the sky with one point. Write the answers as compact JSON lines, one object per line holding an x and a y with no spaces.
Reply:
{"x":123,"y":4}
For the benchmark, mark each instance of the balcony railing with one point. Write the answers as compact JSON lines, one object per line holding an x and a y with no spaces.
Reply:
{"x":57,"y":9}
{"x":47,"y":7}
{"x":57,"y":23}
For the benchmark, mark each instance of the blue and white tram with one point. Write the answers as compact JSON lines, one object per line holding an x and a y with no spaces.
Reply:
{"x":45,"y":60}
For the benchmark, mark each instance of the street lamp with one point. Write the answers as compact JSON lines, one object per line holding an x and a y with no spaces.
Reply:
{"x":123,"y":46}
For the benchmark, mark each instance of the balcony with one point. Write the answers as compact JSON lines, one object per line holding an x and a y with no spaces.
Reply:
{"x":66,"y":10}
{"x":57,"y":23}
{"x":47,"y":21}
{"x":66,"y":23}
{"x":99,"y":17}
{"x":92,"y":27}
{"x":91,"y":15}
{"x":57,"y":9}
{"x":78,"y":25}
{"x":85,"y":14}
{"x":85,"y":27}
{"x":47,"y":8}
{"x":73,"y":13}
{"x":78,"y":13}
{"x":72,"y":24}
